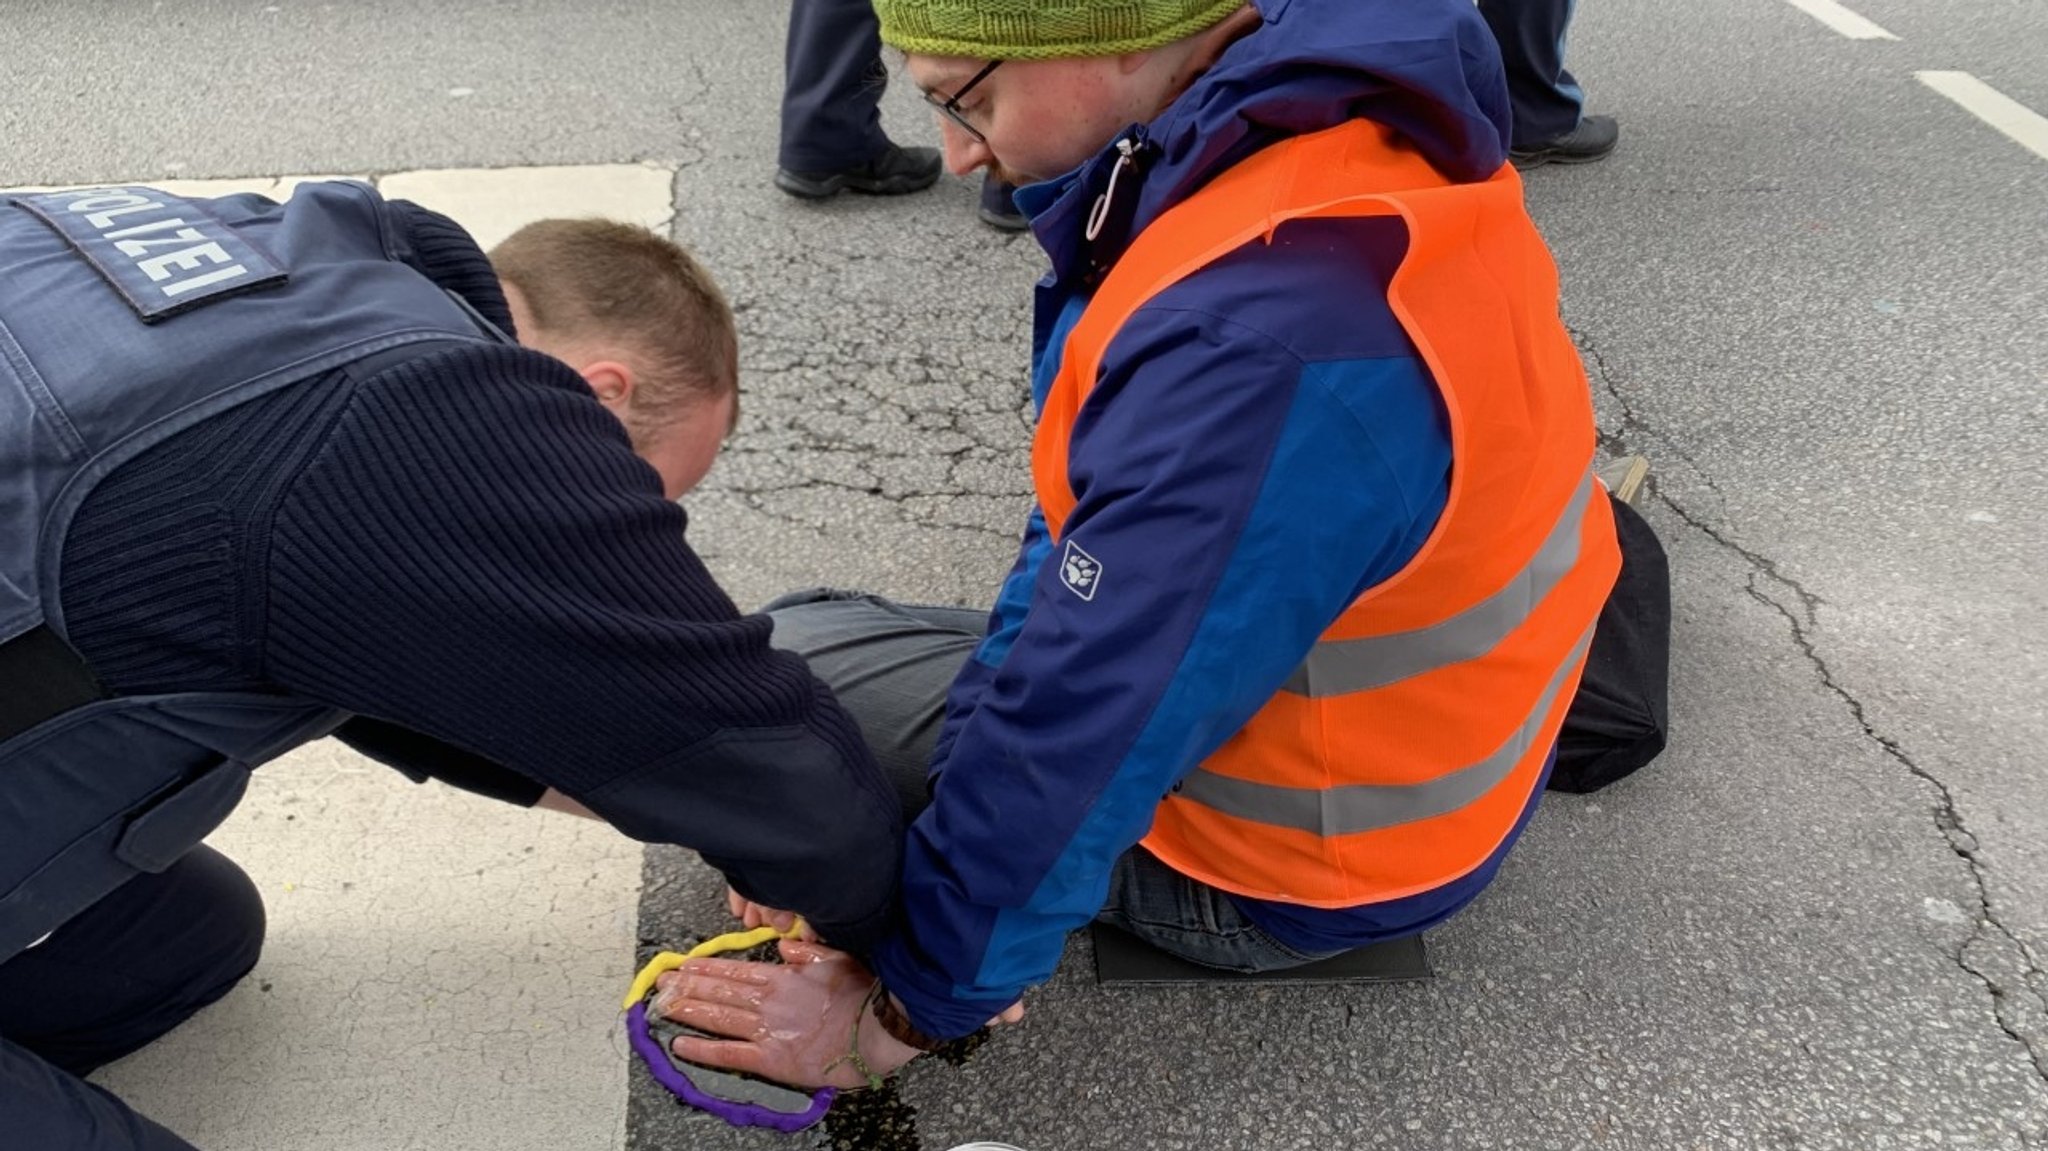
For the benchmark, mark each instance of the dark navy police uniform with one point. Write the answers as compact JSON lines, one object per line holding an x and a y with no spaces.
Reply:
{"x":1546,"y":98}
{"x":272,"y":473}
{"x":832,"y":91}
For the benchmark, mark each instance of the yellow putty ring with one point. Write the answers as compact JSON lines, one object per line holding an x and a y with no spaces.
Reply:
{"x":716,"y":945}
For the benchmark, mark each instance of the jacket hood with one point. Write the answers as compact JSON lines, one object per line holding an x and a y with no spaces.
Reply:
{"x":1429,"y":69}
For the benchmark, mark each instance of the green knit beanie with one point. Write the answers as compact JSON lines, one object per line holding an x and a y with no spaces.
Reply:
{"x":1043,"y":29}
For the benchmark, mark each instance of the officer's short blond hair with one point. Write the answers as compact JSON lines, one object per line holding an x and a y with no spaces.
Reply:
{"x":585,"y":278}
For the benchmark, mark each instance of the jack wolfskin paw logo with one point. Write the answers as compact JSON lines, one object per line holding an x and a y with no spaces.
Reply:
{"x":1081,"y":572}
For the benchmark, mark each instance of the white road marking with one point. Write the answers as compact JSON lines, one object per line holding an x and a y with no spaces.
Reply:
{"x":491,"y":202}
{"x":1842,"y":20}
{"x":495,"y":202}
{"x":2027,"y":128}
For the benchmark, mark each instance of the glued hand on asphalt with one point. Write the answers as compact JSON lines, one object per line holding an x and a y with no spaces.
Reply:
{"x":791,"y":1022}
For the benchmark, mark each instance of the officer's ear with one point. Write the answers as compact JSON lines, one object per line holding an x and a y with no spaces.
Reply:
{"x":613,"y":382}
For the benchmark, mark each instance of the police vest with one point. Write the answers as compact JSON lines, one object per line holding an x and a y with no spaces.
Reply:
{"x":1405,"y":746}
{"x":126,"y":316}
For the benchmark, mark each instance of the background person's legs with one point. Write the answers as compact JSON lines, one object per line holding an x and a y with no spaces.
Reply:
{"x":997,"y":209}
{"x":832,"y":138}
{"x":832,"y":86}
{"x":1546,"y":99}
{"x":119,"y":975}
{"x":1550,"y":124}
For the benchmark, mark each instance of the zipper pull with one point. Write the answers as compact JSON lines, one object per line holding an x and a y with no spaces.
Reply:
{"x":1126,"y":148}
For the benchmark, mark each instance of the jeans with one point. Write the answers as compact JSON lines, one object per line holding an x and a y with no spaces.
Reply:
{"x":891,"y":664}
{"x":117,"y":976}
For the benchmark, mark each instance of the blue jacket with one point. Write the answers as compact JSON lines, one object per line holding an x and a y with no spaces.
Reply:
{"x":1262,"y":445}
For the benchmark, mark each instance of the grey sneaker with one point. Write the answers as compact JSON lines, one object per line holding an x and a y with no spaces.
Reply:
{"x":1625,"y":477}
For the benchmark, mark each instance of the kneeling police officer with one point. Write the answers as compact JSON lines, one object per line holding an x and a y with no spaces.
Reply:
{"x":271,"y":473}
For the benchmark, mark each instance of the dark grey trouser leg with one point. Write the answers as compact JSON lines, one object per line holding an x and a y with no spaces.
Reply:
{"x":890,"y":665}
{"x":125,"y":971}
{"x":833,"y":78}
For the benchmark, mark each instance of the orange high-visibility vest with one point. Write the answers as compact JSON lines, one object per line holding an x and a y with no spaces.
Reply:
{"x":1405,"y":746}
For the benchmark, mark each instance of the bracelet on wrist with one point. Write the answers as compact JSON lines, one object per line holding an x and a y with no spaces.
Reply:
{"x":899,"y":1027}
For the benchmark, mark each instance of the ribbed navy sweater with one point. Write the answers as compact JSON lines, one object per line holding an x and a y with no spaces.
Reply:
{"x":460,"y":545}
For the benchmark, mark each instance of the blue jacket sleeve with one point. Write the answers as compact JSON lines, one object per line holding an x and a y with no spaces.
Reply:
{"x":1005,"y":620}
{"x":1232,"y":500}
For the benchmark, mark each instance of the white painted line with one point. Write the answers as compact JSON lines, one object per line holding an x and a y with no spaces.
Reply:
{"x":1841,"y":19}
{"x":491,"y":203}
{"x":495,"y":202}
{"x":2027,"y":127}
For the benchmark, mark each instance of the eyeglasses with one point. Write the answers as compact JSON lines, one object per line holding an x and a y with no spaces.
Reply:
{"x":949,"y":106}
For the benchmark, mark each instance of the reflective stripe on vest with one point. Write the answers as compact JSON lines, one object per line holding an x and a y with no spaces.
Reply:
{"x":1348,"y":809}
{"x":1408,"y":742}
{"x":1342,"y":666}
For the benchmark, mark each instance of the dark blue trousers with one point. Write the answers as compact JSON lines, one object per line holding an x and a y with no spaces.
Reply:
{"x":832,"y":86}
{"x":127,"y":970}
{"x":1546,"y":99}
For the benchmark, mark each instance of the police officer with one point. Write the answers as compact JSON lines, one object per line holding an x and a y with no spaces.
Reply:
{"x":270,"y":473}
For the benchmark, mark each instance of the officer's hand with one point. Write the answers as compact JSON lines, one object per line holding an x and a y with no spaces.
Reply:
{"x":756,"y":915}
{"x":792,"y":1023}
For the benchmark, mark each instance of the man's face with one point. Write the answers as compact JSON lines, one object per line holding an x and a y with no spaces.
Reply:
{"x":1038,"y":118}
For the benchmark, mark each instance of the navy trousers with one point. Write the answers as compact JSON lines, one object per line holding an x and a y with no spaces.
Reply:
{"x":832,"y":86}
{"x":1547,"y":100}
{"x":122,"y":973}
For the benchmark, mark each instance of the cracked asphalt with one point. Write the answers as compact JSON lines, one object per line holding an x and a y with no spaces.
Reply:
{"x":1808,"y":288}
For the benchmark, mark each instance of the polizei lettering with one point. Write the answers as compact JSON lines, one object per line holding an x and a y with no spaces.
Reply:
{"x":164,"y":254}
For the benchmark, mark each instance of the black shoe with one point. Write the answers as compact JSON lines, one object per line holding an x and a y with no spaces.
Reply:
{"x":997,"y":209}
{"x":1591,"y":140}
{"x":896,"y":171}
